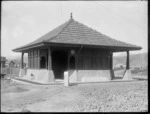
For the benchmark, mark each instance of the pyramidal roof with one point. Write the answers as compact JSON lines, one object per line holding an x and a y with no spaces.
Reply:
{"x":73,"y":32}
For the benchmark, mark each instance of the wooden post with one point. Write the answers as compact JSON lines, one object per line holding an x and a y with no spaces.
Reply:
{"x":31,"y":60}
{"x":127,"y":62}
{"x":49,"y":59}
{"x":111,"y":61}
{"x":38,"y":58}
{"x":22,"y":65}
{"x":28,"y":59}
{"x":1,"y":67}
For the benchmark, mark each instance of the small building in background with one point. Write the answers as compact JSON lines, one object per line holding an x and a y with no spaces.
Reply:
{"x":14,"y":64}
{"x":3,"y":61}
{"x":11,"y":64}
{"x":18,"y":64}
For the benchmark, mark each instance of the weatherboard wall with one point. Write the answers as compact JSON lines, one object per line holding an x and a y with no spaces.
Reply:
{"x":93,"y":59}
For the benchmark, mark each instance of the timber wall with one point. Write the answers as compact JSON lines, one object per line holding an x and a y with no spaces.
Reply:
{"x":92,"y":59}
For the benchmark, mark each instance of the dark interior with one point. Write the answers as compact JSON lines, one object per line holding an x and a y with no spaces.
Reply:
{"x":72,"y":62}
{"x":43,"y":62}
{"x":59,"y":63}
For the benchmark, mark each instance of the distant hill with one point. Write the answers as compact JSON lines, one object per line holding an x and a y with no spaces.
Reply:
{"x":135,"y":60}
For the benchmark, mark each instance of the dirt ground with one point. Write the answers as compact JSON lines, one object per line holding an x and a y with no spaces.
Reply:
{"x":93,"y":97}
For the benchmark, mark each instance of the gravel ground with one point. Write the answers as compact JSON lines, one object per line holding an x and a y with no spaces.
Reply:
{"x":130,"y":97}
{"x":6,"y":83}
{"x":93,"y":97}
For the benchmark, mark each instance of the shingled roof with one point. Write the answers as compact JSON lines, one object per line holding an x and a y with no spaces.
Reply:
{"x":73,"y":32}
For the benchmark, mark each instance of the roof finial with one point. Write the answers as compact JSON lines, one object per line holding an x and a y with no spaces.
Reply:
{"x":71,"y":15}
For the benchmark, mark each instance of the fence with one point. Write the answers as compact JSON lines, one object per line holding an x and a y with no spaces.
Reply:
{"x":11,"y":71}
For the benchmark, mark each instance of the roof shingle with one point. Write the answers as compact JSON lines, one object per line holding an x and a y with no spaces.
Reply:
{"x":73,"y":32}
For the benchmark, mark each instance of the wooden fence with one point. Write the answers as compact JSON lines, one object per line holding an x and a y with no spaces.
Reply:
{"x":14,"y":71}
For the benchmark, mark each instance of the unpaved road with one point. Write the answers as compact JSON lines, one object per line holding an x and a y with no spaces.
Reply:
{"x":97,"y":97}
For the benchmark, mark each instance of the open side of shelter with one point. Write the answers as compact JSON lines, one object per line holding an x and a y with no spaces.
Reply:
{"x":87,"y":55}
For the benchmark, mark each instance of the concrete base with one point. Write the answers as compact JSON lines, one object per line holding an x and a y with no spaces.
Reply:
{"x":42,"y":75}
{"x":94,"y":75}
{"x":94,"y":79}
{"x":112,"y":74}
{"x":90,"y":75}
{"x":21,"y":72}
{"x":66,"y":78}
{"x":127,"y":75}
{"x":72,"y":76}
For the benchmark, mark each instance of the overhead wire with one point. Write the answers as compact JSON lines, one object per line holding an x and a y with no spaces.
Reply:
{"x":61,"y":9}
{"x":124,"y":18}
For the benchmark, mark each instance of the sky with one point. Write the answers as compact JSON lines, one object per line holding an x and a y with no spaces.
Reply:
{"x":24,"y":21}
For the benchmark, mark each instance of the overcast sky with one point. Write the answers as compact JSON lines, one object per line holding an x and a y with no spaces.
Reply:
{"x":25,"y":21}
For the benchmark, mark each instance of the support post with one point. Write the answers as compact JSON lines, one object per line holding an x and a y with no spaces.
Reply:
{"x":1,"y":68}
{"x":49,"y":59}
{"x":127,"y":62}
{"x":22,"y":71}
{"x":127,"y":75}
{"x":111,"y":66}
{"x":38,"y":58}
{"x":28,"y":59}
{"x":22,"y":65}
{"x":111,"y":61}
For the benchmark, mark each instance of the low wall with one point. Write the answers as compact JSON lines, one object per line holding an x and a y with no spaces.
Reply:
{"x":46,"y":76}
{"x":94,"y":75}
{"x":90,"y":75}
{"x":72,"y":76}
{"x":41,"y":75}
{"x":127,"y":75}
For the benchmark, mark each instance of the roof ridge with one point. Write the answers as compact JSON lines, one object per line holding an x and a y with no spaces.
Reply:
{"x":70,"y":20}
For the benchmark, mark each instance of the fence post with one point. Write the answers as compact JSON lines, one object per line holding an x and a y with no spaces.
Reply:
{"x":66,"y":79}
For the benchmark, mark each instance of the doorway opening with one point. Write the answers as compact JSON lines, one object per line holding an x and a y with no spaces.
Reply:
{"x":72,"y":62}
{"x":59,"y":63}
{"x":43,"y":62}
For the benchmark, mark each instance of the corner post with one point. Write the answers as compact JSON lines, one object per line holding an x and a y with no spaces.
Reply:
{"x":38,"y":58}
{"x":127,"y":74}
{"x":111,"y":66}
{"x":22,"y":61}
{"x":111,"y":61}
{"x":22,"y":70}
{"x":49,"y":59}
{"x":51,"y":77}
{"x":127,"y":62}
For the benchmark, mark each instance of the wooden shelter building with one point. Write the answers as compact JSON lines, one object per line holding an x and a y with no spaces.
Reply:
{"x":85,"y":53}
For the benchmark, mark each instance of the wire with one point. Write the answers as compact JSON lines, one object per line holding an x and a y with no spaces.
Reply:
{"x":119,"y":15}
{"x":61,"y":9}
